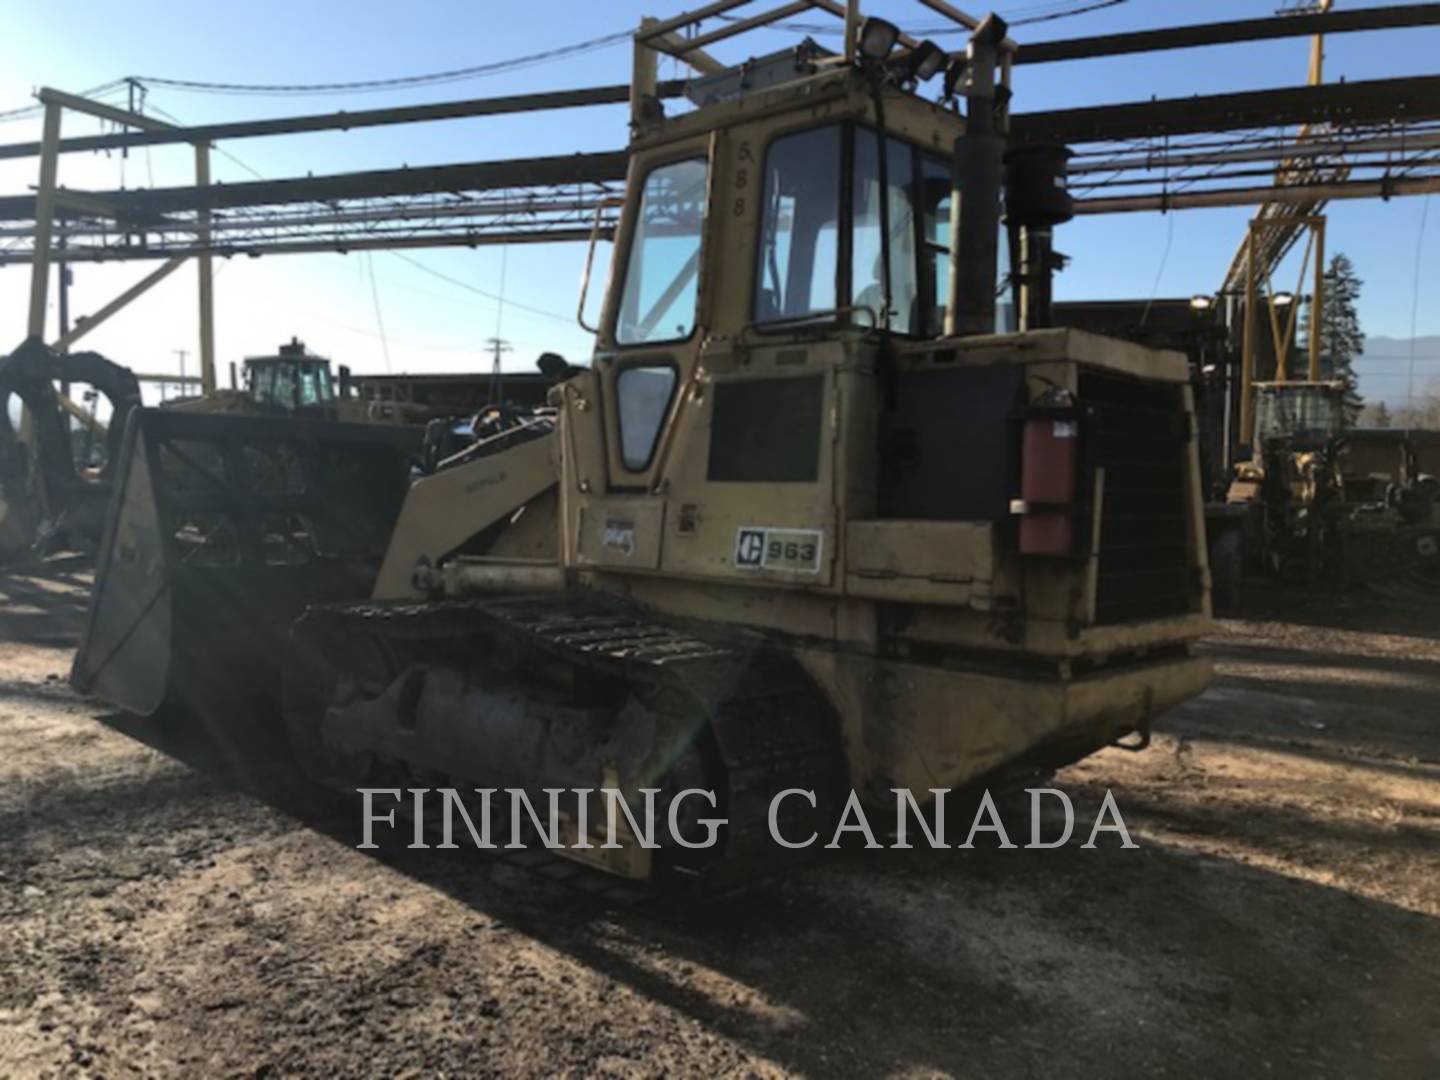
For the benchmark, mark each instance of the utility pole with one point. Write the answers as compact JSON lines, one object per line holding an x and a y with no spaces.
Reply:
{"x":498,"y":347}
{"x":182,"y":354}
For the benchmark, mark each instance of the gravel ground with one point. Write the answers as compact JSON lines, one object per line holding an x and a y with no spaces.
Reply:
{"x":178,"y":903}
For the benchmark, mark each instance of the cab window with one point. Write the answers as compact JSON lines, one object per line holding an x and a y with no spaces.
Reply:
{"x":262,"y":382}
{"x":643,"y":397}
{"x":799,"y":274}
{"x":868,"y":290}
{"x":285,"y":386}
{"x":663,"y":268}
{"x":798,"y":259}
{"x":933,"y":192}
{"x":309,"y":386}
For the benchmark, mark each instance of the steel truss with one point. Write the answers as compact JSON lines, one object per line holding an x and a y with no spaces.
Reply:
{"x":1377,"y":138}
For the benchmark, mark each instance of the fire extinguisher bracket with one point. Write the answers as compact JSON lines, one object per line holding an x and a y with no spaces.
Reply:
{"x":1021,"y":507}
{"x":1049,"y":511}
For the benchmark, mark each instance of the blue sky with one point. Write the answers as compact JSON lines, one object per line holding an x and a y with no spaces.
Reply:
{"x":432,"y":325}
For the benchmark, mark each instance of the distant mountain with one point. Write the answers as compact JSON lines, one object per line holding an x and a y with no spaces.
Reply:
{"x":1384,"y":368}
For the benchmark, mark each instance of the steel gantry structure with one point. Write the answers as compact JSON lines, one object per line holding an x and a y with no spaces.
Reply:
{"x":1218,"y":150}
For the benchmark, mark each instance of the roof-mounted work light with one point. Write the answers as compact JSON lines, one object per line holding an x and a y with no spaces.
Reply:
{"x":921,"y":63}
{"x":954,"y":75}
{"x":877,"y":38}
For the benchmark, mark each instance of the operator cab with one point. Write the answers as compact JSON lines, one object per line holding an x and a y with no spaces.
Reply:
{"x":833,"y":188}
{"x":809,"y":339}
{"x":1307,"y":414}
{"x":290,"y":382}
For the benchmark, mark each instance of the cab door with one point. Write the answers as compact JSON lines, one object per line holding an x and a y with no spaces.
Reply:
{"x":650,"y":344}
{"x":654,"y":323}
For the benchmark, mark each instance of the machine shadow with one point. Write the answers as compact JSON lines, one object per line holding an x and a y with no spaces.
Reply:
{"x":977,"y":962}
{"x":1402,"y":607}
{"x":44,"y":603}
{"x":1420,"y":670}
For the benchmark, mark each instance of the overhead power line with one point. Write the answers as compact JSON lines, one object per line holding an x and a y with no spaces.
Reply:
{"x":1083,"y":9}
{"x":569,"y":319}
{"x":1037,"y":13}
{"x":434,"y":78}
{"x":1021,"y":17}
{"x":364,"y":86}
{"x":379,"y":317}
{"x":416,"y":263}
{"x":28,"y":112}
{"x":500,"y":300}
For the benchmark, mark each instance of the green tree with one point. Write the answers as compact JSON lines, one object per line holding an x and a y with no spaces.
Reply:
{"x":1341,"y":339}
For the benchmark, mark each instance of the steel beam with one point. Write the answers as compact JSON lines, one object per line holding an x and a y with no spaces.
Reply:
{"x":1317,"y":302}
{"x":740,"y":26}
{"x":1278,"y":151}
{"x":85,"y":324}
{"x":206,"y":275}
{"x":533,"y":211}
{"x":476,"y":176}
{"x":346,"y":121}
{"x":651,"y":29}
{"x":1372,"y":101}
{"x":1408,"y":15}
{"x":1410,"y":98}
{"x":954,"y":14}
{"x":841,"y":12}
{"x":81,"y":413}
{"x":1247,"y":346}
{"x":44,"y":216}
{"x":644,"y":74}
{"x":172,"y":380}
{"x":84,"y":203}
{"x":1229,"y":33}
{"x":71,"y":203}
{"x":115,"y":115}
{"x":340,"y":246}
{"x":1250,"y":196}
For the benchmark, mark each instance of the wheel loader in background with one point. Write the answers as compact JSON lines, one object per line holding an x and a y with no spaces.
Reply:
{"x":55,"y":483}
{"x":291,"y":382}
{"x":54,"y":488}
{"x":814,"y":517}
{"x":1330,"y":502}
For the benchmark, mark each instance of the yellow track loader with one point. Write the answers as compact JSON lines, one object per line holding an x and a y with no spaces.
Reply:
{"x":815,"y":517}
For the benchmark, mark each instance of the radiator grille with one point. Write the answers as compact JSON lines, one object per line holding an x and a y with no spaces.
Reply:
{"x":1137,"y":432}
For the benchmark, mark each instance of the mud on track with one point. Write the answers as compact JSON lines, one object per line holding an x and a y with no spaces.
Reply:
{"x":178,"y":902}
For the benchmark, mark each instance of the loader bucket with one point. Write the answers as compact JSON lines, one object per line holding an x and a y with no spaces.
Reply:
{"x":221,"y":530}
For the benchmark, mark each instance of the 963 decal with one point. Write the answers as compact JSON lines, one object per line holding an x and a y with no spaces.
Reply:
{"x":759,"y":547}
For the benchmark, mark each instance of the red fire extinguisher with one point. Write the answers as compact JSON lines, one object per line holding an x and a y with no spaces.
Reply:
{"x":1049,"y":474}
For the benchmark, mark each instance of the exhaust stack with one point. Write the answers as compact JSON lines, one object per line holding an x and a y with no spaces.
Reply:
{"x":1036,"y":200}
{"x":979,"y":158}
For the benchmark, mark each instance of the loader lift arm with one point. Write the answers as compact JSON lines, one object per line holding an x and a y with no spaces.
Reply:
{"x":492,"y":481}
{"x":40,"y":484}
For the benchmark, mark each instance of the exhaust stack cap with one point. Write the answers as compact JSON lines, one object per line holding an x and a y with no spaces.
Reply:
{"x":1037,"y":194}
